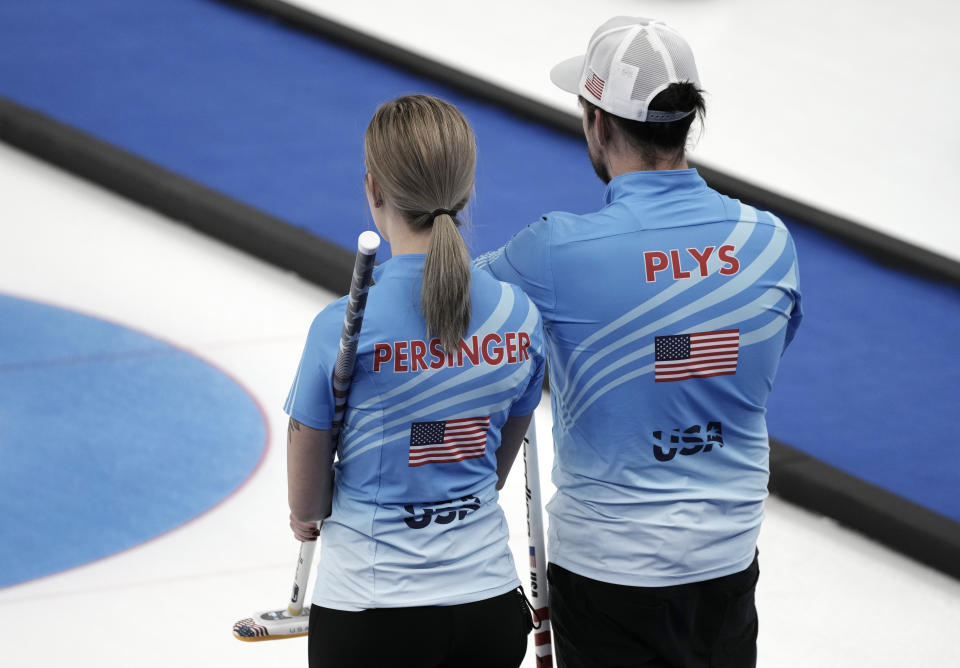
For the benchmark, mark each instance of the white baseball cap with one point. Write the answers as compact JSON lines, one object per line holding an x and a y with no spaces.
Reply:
{"x":629,"y":60}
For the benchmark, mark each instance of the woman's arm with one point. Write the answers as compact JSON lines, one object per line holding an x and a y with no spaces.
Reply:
{"x":309,"y":478}
{"x":511,"y":438}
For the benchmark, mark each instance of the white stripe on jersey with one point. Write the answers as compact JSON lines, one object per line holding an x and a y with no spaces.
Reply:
{"x":490,"y":389}
{"x":496,"y":320}
{"x":770,"y":330}
{"x":738,"y":237}
{"x":745,"y":312}
{"x":502,"y":385}
{"x":744,"y":279}
{"x":463,"y":376}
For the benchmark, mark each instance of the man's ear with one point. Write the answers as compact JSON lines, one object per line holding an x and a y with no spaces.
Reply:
{"x":601,"y":126}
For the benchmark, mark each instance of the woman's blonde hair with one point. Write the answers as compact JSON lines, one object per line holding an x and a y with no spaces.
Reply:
{"x":422,"y":154}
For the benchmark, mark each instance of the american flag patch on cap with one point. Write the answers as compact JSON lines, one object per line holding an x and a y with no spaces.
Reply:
{"x":594,"y":84}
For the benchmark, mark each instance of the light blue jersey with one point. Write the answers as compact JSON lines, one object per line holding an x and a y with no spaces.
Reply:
{"x":665,"y":313}
{"x":415,"y":517}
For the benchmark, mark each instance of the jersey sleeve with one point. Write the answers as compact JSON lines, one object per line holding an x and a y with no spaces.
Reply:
{"x":533,"y":392}
{"x":310,"y":400}
{"x":525,"y":262}
{"x":796,"y":314}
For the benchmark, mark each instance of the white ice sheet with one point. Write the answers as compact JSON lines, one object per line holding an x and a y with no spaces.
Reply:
{"x":827,"y":597}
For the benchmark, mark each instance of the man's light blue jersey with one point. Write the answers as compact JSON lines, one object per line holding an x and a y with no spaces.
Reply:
{"x":415,"y":518}
{"x":666,"y":313}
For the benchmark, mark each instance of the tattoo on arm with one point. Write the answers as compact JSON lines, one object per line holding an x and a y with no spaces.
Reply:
{"x":292,"y":426}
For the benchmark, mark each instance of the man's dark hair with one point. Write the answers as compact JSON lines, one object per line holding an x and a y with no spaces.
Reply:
{"x":657,"y":142}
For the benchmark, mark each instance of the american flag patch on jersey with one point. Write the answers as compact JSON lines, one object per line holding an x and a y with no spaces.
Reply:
{"x":697,"y":355}
{"x":448,"y":440}
{"x":594,"y":84}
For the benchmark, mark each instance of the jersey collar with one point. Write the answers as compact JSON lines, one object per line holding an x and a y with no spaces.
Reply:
{"x":669,"y":184}
{"x":400,"y":266}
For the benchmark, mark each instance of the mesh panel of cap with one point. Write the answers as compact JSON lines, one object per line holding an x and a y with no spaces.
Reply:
{"x":652,"y":69}
{"x":682,"y":57}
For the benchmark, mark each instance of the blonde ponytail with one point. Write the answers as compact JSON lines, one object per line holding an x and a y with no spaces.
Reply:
{"x":421,"y":151}
{"x":445,"y":296}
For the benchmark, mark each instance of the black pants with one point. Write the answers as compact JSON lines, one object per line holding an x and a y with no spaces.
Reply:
{"x":710,"y":624}
{"x":485,"y":634}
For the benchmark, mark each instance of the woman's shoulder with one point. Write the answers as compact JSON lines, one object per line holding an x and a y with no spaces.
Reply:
{"x":330,"y":319}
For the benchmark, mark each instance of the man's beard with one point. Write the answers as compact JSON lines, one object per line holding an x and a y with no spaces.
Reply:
{"x":601,"y":169}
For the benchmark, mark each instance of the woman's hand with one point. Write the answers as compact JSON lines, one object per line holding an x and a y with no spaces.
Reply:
{"x":304,"y":531}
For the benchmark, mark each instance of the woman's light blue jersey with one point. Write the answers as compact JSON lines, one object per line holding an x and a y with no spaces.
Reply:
{"x":666,"y":313}
{"x":415,"y":517}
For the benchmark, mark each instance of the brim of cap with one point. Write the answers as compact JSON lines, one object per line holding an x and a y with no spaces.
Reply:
{"x":566,"y":74}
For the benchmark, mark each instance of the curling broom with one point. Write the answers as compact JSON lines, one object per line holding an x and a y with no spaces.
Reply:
{"x":295,"y":619}
{"x":539,"y":592}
